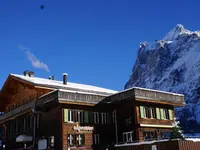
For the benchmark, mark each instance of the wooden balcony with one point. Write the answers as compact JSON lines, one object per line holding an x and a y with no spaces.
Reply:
{"x":68,"y":96}
{"x":55,"y":96}
{"x":17,"y":110}
{"x":147,"y":94}
{"x":160,"y":96}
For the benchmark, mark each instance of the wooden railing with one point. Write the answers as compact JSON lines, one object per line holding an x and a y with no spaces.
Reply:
{"x":80,"y":97}
{"x":17,"y":110}
{"x":157,"y":95}
{"x":47,"y":98}
{"x":54,"y":96}
{"x":148,"y":94}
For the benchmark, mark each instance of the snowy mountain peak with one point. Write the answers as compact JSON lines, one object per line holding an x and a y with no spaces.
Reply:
{"x":175,"y":32}
{"x":172,"y":64}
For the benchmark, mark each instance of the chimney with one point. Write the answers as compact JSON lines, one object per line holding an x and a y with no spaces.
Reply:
{"x":49,"y":77}
{"x":31,"y":74}
{"x":52,"y":77}
{"x":65,"y":78}
{"x":26,"y":72}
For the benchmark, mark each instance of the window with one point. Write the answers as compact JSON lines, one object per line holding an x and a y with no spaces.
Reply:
{"x":158,"y":113}
{"x":76,"y":139}
{"x":146,"y":112}
{"x":96,"y":139}
{"x":165,"y":135}
{"x":71,"y":139}
{"x":96,"y":117}
{"x":71,"y":117}
{"x":148,"y":136}
{"x":128,"y":136}
{"x":152,"y":112}
{"x":51,"y":141}
{"x":149,"y":112}
{"x":79,"y":115}
{"x":80,"y":139}
{"x":165,"y":114}
{"x":103,"y":118}
{"x":114,"y":116}
{"x":170,"y":114}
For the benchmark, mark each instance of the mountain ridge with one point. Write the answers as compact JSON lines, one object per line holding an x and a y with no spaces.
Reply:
{"x":172,"y":64}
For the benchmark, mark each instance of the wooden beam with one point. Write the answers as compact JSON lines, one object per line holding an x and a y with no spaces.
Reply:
{"x":75,"y":103}
{"x":158,"y":102}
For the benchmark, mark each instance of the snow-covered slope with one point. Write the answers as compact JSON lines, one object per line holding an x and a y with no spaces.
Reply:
{"x":172,"y":64}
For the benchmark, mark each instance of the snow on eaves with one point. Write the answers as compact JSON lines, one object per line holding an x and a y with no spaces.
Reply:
{"x":69,"y":86}
{"x":146,"y":89}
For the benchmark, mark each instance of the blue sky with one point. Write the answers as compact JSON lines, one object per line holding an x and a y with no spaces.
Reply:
{"x":94,"y":41}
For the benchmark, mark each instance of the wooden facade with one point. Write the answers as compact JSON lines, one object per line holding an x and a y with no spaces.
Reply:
{"x":79,"y":119}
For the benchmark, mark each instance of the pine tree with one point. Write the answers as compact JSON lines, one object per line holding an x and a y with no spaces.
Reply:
{"x":176,"y":132}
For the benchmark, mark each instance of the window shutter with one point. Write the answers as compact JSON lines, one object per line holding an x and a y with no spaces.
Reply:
{"x":162,"y":113}
{"x":90,"y":117}
{"x":170,"y":114}
{"x":142,"y":111}
{"x":86,"y":117}
{"x":65,"y":115}
{"x":158,"y":113}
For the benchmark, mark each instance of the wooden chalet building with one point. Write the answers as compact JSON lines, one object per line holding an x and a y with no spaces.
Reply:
{"x":142,"y":114}
{"x":61,"y":115}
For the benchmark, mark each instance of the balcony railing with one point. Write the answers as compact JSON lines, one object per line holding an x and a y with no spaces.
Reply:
{"x":17,"y":110}
{"x":148,"y":94}
{"x":79,"y":97}
{"x":54,"y":96}
{"x":47,"y":98}
{"x":160,"y":96}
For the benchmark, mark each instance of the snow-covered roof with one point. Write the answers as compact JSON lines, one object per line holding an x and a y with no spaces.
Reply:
{"x":158,"y":91}
{"x":69,"y":86}
{"x":134,"y":87}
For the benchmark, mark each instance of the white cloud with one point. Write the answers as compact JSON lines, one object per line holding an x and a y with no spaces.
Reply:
{"x":34,"y":60}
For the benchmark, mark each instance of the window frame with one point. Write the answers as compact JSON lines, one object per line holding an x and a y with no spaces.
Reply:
{"x":71,"y":139}
{"x":71,"y":115}
{"x":79,"y":116}
{"x":152,"y":112}
{"x":166,"y":114}
{"x":126,"y":137}
{"x":96,"y":139}
{"x":95,"y":117}
{"x":149,"y":134}
{"x":114,"y":116}
{"x":103,"y":118}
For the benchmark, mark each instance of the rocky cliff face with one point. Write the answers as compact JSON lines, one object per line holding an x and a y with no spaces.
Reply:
{"x":172,"y":64}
